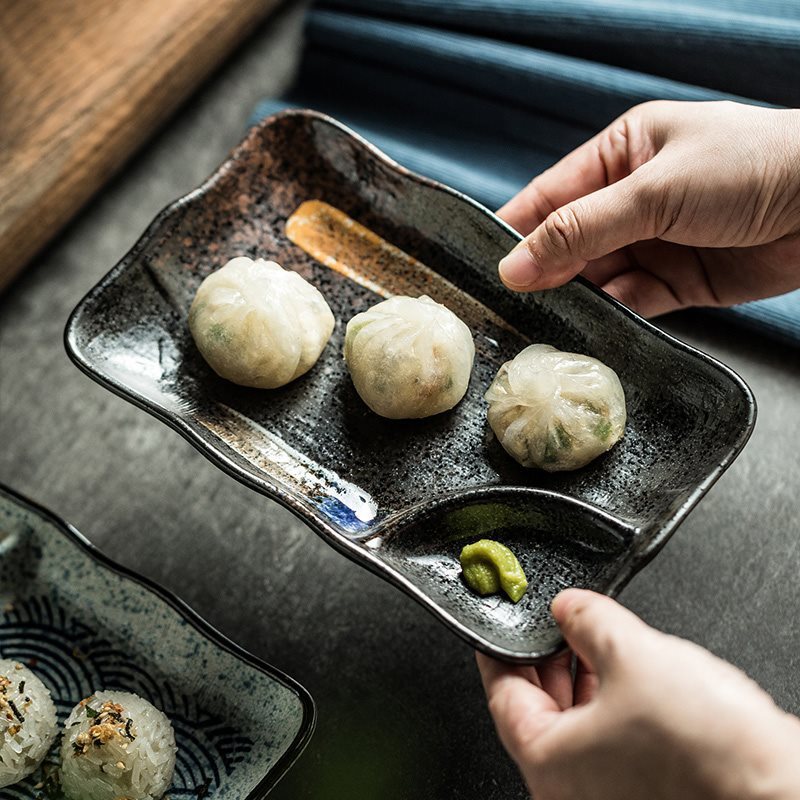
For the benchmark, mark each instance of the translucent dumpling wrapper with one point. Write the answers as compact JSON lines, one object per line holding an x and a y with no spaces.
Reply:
{"x":258,"y":324}
{"x":117,"y":745}
{"x":28,"y":725}
{"x":409,"y":357}
{"x":555,"y":410}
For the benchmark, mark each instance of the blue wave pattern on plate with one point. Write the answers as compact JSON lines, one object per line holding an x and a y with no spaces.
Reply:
{"x":73,"y":661}
{"x":82,"y":627}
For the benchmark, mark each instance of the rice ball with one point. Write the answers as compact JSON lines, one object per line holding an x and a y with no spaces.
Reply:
{"x":116,"y":745}
{"x":259,"y":325}
{"x":28,"y":725}
{"x":409,"y":357}
{"x":555,"y":410}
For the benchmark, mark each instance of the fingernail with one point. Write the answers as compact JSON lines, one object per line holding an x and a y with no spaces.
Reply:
{"x":564,"y":600}
{"x":518,"y":270}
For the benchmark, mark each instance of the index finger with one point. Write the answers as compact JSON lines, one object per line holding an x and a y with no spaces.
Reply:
{"x":521,"y":709}
{"x":555,"y":676}
{"x":595,"y":164}
{"x":586,"y":684}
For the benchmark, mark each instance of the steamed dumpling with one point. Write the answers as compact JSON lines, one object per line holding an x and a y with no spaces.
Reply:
{"x":409,"y":357}
{"x":258,"y":324}
{"x":554,"y":410}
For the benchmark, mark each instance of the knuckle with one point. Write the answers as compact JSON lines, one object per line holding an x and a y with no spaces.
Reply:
{"x":508,"y":722}
{"x":608,"y":643}
{"x":653,"y":108}
{"x":653,"y":203}
{"x":563,"y":231}
{"x":516,"y":728}
{"x":501,"y":706}
{"x":498,"y":704}
{"x":614,"y":144}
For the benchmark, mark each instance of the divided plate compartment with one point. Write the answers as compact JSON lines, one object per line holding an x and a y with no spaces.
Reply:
{"x":403,"y":497}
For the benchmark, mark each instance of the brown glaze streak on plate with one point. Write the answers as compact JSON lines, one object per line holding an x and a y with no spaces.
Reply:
{"x":402,"y":497}
{"x":341,"y":243}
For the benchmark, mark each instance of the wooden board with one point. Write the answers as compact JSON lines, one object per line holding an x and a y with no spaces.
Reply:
{"x":82,"y":84}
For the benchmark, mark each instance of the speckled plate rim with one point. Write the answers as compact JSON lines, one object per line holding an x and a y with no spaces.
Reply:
{"x":309,"y":719}
{"x":643,"y":551}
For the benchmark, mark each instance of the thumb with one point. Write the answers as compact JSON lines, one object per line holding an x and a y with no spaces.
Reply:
{"x":601,"y":632}
{"x":581,"y":231}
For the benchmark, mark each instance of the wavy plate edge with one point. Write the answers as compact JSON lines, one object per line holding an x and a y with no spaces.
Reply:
{"x":639,"y":557}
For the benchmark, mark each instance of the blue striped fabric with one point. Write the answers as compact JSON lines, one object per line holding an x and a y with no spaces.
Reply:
{"x":708,"y":42}
{"x":484,"y":94}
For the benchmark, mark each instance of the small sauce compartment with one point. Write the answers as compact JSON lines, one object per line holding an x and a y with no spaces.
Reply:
{"x":559,"y":544}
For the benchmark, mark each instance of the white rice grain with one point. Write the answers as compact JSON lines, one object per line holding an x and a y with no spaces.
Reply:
{"x":28,"y":724}
{"x":116,"y":744}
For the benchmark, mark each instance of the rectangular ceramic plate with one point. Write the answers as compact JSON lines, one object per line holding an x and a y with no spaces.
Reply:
{"x":402,"y":498}
{"x":82,"y":624}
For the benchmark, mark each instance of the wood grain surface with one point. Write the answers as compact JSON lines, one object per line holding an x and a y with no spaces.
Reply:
{"x":82,"y":84}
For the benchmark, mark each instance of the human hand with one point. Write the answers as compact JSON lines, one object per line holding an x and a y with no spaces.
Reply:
{"x":673,"y":205}
{"x":647,"y":716}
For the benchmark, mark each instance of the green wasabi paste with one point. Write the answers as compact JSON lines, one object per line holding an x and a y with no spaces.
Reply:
{"x":489,"y":566}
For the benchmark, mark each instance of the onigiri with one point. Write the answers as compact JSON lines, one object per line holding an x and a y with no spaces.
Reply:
{"x":116,"y":744}
{"x":28,"y":724}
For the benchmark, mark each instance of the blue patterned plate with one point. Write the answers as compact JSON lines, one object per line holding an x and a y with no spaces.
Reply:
{"x":83,"y":623}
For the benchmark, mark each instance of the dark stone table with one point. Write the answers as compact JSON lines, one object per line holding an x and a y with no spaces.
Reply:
{"x":401,"y":712}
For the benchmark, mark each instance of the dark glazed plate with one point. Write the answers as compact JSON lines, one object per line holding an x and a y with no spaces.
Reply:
{"x":401,"y":498}
{"x":82,"y":623}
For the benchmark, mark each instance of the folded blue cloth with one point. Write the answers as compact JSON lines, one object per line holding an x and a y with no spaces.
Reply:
{"x":484,"y":94}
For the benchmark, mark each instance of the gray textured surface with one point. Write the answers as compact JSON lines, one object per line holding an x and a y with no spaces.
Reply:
{"x":401,"y":711}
